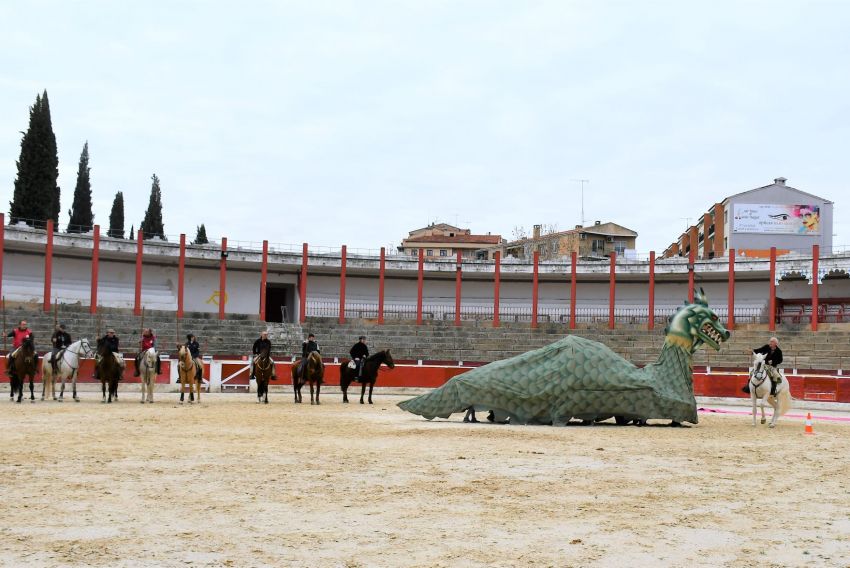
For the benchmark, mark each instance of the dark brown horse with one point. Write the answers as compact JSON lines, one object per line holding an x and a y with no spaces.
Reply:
{"x":369,"y":375}
{"x":25,"y":365}
{"x":314,"y":374}
{"x":109,"y":370}
{"x":263,"y":372}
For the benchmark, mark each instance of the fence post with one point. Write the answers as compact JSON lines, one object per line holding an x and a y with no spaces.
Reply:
{"x":730,"y":323}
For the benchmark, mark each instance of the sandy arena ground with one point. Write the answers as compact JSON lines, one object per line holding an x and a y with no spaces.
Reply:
{"x":233,"y":483}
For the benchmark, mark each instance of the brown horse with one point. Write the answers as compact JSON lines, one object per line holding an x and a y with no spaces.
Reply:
{"x":25,"y":365}
{"x":369,"y":375}
{"x":109,"y":370}
{"x":189,"y":374}
{"x":314,"y":373}
{"x":263,"y":372}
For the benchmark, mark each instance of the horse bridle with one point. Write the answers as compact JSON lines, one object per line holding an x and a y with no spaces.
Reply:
{"x":259,"y":360}
{"x":759,"y":374}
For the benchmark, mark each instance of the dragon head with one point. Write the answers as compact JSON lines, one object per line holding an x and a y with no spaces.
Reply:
{"x":695,"y":324}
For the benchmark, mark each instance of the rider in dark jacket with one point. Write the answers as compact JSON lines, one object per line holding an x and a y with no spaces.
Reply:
{"x":307,"y":347}
{"x":262,"y":343}
{"x":358,"y":353}
{"x":772,"y":360}
{"x":60,"y":339}
{"x":195,"y":351}
{"x":111,"y":342}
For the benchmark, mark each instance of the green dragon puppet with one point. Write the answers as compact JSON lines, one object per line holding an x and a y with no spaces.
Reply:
{"x":584,"y":379}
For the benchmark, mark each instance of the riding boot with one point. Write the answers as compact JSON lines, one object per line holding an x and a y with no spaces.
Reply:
{"x":746,"y":388}
{"x":136,"y":369}
{"x":158,"y":366}
{"x":773,"y":387}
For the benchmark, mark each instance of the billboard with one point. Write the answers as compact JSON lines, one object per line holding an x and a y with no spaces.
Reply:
{"x":776,"y":219}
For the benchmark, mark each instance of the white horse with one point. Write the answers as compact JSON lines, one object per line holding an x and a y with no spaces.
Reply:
{"x":147,"y":370}
{"x":760,"y":389}
{"x":66,"y":367}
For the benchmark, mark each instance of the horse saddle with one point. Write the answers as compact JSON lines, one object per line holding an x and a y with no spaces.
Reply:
{"x":352,"y":364}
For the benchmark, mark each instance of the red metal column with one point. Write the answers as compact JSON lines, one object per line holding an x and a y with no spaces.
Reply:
{"x":815,"y":299}
{"x":95,"y":258}
{"x":730,"y":323}
{"x":772,"y":305}
{"x":342,"y":263}
{"x":48,"y":265}
{"x":691,"y":268}
{"x":222,"y":279}
{"x":181,"y":275}
{"x":264,"y":276}
{"x":534,"y":289}
{"x":302,"y":310}
{"x":2,"y":238}
{"x":137,"y":305}
{"x":381,"y":285}
{"x":612,"y":285}
{"x":419,"y":284}
{"x":573,"y":262}
{"x":497,"y":270}
{"x":651,"y":322}
{"x":458,"y":272}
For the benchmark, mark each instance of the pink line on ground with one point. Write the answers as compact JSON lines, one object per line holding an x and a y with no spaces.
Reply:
{"x":706,"y":410}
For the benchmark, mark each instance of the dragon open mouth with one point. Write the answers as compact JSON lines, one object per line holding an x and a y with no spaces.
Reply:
{"x":709,"y":331}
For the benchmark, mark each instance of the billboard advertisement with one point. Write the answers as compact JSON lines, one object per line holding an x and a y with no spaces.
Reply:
{"x":776,"y":219}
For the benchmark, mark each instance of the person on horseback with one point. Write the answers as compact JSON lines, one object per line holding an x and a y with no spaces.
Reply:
{"x":195,"y":350}
{"x":358,"y":353}
{"x":111,"y":341}
{"x":263,"y":342}
{"x":60,"y":339}
{"x":18,"y":335}
{"x":307,"y":347}
{"x":148,"y":341}
{"x":773,"y":358}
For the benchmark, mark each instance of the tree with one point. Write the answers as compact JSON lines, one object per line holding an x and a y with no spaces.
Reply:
{"x":116,"y":217}
{"x":152,"y":223}
{"x":82,"y":218}
{"x":132,"y":234}
{"x":201,"y":236}
{"x":36,"y":195}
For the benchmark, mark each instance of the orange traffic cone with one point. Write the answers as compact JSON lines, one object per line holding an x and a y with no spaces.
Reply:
{"x":809,"y":428}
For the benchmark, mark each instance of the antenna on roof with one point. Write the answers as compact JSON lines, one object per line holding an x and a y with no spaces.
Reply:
{"x":582,"y":182}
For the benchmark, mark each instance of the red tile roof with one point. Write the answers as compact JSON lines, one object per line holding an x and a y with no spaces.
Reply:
{"x":480,"y":239}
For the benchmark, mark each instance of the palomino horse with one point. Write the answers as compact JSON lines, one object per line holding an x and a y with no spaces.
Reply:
{"x":109,"y":369}
{"x":25,"y":365}
{"x":189,"y":375}
{"x":67,"y":365}
{"x":314,"y":374}
{"x":147,"y":370}
{"x":760,"y":389}
{"x":263,"y":372}
{"x":368,"y":376}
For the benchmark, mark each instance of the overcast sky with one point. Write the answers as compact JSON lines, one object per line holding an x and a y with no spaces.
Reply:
{"x":356,"y":122}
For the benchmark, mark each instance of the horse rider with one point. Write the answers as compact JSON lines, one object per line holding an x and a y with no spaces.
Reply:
{"x":60,"y":339}
{"x":263,"y":342}
{"x":772,"y":360}
{"x":111,"y":341}
{"x":148,"y":341}
{"x":307,"y":346}
{"x":358,"y":353}
{"x":195,"y":351}
{"x":18,"y":335}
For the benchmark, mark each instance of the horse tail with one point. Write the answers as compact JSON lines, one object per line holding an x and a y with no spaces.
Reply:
{"x":784,"y":398}
{"x":46,"y":370}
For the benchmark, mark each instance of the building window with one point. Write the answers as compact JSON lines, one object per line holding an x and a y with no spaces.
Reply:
{"x":725,"y":243}
{"x":444,"y":252}
{"x":620,"y":247}
{"x":429,"y":252}
{"x":598,"y":245}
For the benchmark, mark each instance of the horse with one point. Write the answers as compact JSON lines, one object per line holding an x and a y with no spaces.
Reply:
{"x":760,"y":389}
{"x":263,"y":372}
{"x":314,"y":373}
{"x":109,"y":369}
{"x":147,"y":370}
{"x":189,"y":374}
{"x":369,"y":375}
{"x":25,"y":366}
{"x":66,"y":367}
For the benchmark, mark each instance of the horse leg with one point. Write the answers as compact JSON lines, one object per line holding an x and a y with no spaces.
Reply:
{"x":775,"y":417}
{"x":144,"y":384}
{"x":61,"y":388}
{"x":371,"y":386}
{"x":343,"y":384}
{"x":151,"y":384}
{"x":763,"y":419}
{"x":182,"y":387}
{"x":266,"y":392}
{"x":198,"y":387}
{"x":753,"y":396}
{"x":74,"y":385}
{"x":318,"y":390}
{"x":362,"y":391}
{"x":32,"y":388}
{"x":311,"y":393}
{"x":103,"y":389}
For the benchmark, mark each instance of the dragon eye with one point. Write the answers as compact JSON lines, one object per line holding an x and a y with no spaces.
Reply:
{"x":713,"y":317}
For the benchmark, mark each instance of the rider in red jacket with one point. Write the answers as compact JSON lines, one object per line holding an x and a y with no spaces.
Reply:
{"x":18,"y":335}
{"x":148,"y":342}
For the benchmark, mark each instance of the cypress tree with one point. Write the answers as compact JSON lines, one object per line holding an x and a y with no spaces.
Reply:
{"x":201,"y":236}
{"x":132,"y":234}
{"x":82,"y":218}
{"x":116,"y":217}
{"x":152,"y":223}
{"x":36,"y":195}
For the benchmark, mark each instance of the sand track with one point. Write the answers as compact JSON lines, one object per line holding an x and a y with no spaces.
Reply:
{"x":233,"y":483}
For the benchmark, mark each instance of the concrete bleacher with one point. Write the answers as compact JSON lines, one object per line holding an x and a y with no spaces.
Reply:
{"x":66,"y":290}
{"x":480,"y":342}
